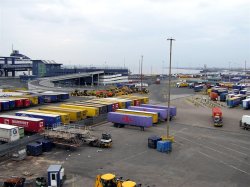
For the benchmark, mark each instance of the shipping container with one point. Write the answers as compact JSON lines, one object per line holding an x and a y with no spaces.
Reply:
{"x":34,"y":149}
{"x":233,"y":102}
{"x":62,"y":96}
{"x":21,"y":132}
{"x":12,"y":102}
{"x":120,"y":102}
{"x":110,"y":107}
{"x":91,"y":111}
{"x":162,"y":113}
{"x":246,"y":104}
{"x":121,"y":120}
{"x":75,"y":115}
{"x":223,"y":97}
{"x":241,"y":96}
{"x":173,"y":109}
{"x":65,"y":117}
{"x":46,"y":144}
{"x":244,"y":92}
{"x":135,"y":100}
{"x":29,"y":124}
{"x":51,"y":97}
{"x":114,"y":104}
{"x":9,"y":133}
{"x":50,"y":120}
{"x":33,"y":99}
{"x":18,"y":101}
{"x":213,"y":96}
{"x":5,"y":105}
{"x":103,"y":109}
{"x":25,"y":101}
{"x":141,"y":113}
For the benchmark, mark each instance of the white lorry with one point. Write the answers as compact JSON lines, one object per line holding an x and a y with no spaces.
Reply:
{"x":245,"y":122}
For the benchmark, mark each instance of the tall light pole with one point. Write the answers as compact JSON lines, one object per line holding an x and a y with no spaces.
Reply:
{"x":169,"y":82}
{"x":229,"y":71}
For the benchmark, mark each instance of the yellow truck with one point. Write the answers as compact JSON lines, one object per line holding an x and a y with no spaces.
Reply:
{"x":91,"y":111}
{"x":75,"y":115}
{"x":141,"y":113}
{"x":65,"y":117}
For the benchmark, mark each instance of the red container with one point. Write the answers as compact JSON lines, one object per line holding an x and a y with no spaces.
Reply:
{"x":213,"y":96}
{"x":26,"y":102}
{"x":137,"y":103}
{"x":18,"y":103}
{"x":34,"y":125}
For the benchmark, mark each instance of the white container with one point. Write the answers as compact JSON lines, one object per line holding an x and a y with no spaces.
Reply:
{"x":245,"y":120}
{"x":9,"y":133}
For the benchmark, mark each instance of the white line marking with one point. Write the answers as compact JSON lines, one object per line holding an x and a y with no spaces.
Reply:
{"x":205,"y":146}
{"x":229,"y":165}
{"x":241,"y":146}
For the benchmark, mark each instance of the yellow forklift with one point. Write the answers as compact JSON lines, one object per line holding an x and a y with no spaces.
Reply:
{"x":110,"y":180}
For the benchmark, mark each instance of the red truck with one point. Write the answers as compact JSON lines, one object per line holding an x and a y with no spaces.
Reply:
{"x":217,"y":116}
{"x":34,"y":125}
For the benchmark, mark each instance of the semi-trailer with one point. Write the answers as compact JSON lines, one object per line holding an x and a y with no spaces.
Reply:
{"x":75,"y":115}
{"x":90,"y":111}
{"x":163,"y":113}
{"x":12,"y":103}
{"x":245,"y":122}
{"x":25,"y":101}
{"x":65,"y":117}
{"x":9,"y":133}
{"x":50,"y":120}
{"x":141,"y":113}
{"x":173,"y":109}
{"x":32,"y":125}
{"x":103,"y":109}
{"x":120,"y":120}
{"x":33,"y":99}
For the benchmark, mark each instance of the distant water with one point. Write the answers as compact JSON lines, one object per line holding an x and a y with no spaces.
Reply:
{"x":183,"y":71}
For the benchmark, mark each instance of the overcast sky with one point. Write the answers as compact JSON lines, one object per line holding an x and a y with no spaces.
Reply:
{"x":111,"y":32}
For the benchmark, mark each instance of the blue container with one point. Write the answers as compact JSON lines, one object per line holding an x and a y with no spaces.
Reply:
{"x":50,"y":120}
{"x":233,"y":102}
{"x":198,"y":88}
{"x":34,"y":149}
{"x":164,"y":146}
{"x":130,"y":119}
{"x":244,"y":92}
{"x":51,"y":98}
{"x":163,"y":113}
{"x":173,"y":109}
{"x":46,"y":144}
{"x":152,"y":141}
{"x":236,"y":91}
{"x":5,"y":105}
{"x":223,"y":97}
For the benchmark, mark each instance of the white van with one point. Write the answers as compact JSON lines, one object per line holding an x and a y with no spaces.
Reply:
{"x":245,"y":122}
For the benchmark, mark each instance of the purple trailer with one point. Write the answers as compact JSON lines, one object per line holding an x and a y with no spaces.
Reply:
{"x":122,"y":119}
{"x":173,"y":110}
{"x":163,"y":113}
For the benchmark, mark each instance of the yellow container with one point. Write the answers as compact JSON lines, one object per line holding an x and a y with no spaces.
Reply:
{"x":141,"y":113}
{"x":65,"y":117}
{"x":120,"y":102}
{"x":75,"y":115}
{"x":33,"y":99}
{"x":90,"y":111}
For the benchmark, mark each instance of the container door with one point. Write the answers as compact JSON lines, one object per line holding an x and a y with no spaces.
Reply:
{"x":6,"y":121}
{"x":53,"y":179}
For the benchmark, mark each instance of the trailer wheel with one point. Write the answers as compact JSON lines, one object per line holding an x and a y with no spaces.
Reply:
{"x":240,"y":123}
{"x":115,"y":125}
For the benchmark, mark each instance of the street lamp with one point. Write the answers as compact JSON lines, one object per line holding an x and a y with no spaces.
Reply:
{"x":169,"y":87}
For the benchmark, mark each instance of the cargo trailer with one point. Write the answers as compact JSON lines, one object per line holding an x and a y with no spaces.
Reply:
{"x":163,"y":113}
{"x":121,"y":103}
{"x":173,"y":109}
{"x":103,"y":109}
{"x":223,"y":97}
{"x":244,"y":92}
{"x":110,"y":107}
{"x":245,"y":122}
{"x":25,"y":101}
{"x":50,"y":120}
{"x":141,"y":113}
{"x":75,"y":115}
{"x":213,"y":96}
{"x":18,"y":102}
{"x":5,"y":105}
{"x":233,"y":102}
{"x":246,"y":104}
{"x":114,"y":104}
{"x":9,"y":133}
{"x":62,"y":96}
{"x":33,"y":125}
{"x":135,"y":101}
{"x":12,"y":103}
{"x":33,"y":99}
{"x":51,"y":97}
{"x":65,"y":117}
{"x":91,"y":111}
{"x":120,"y":120}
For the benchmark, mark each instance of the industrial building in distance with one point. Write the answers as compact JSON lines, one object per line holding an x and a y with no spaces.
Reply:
{"x":59,"y":74}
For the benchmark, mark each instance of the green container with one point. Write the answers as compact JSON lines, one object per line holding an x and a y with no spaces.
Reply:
{"x":21,"y":132}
